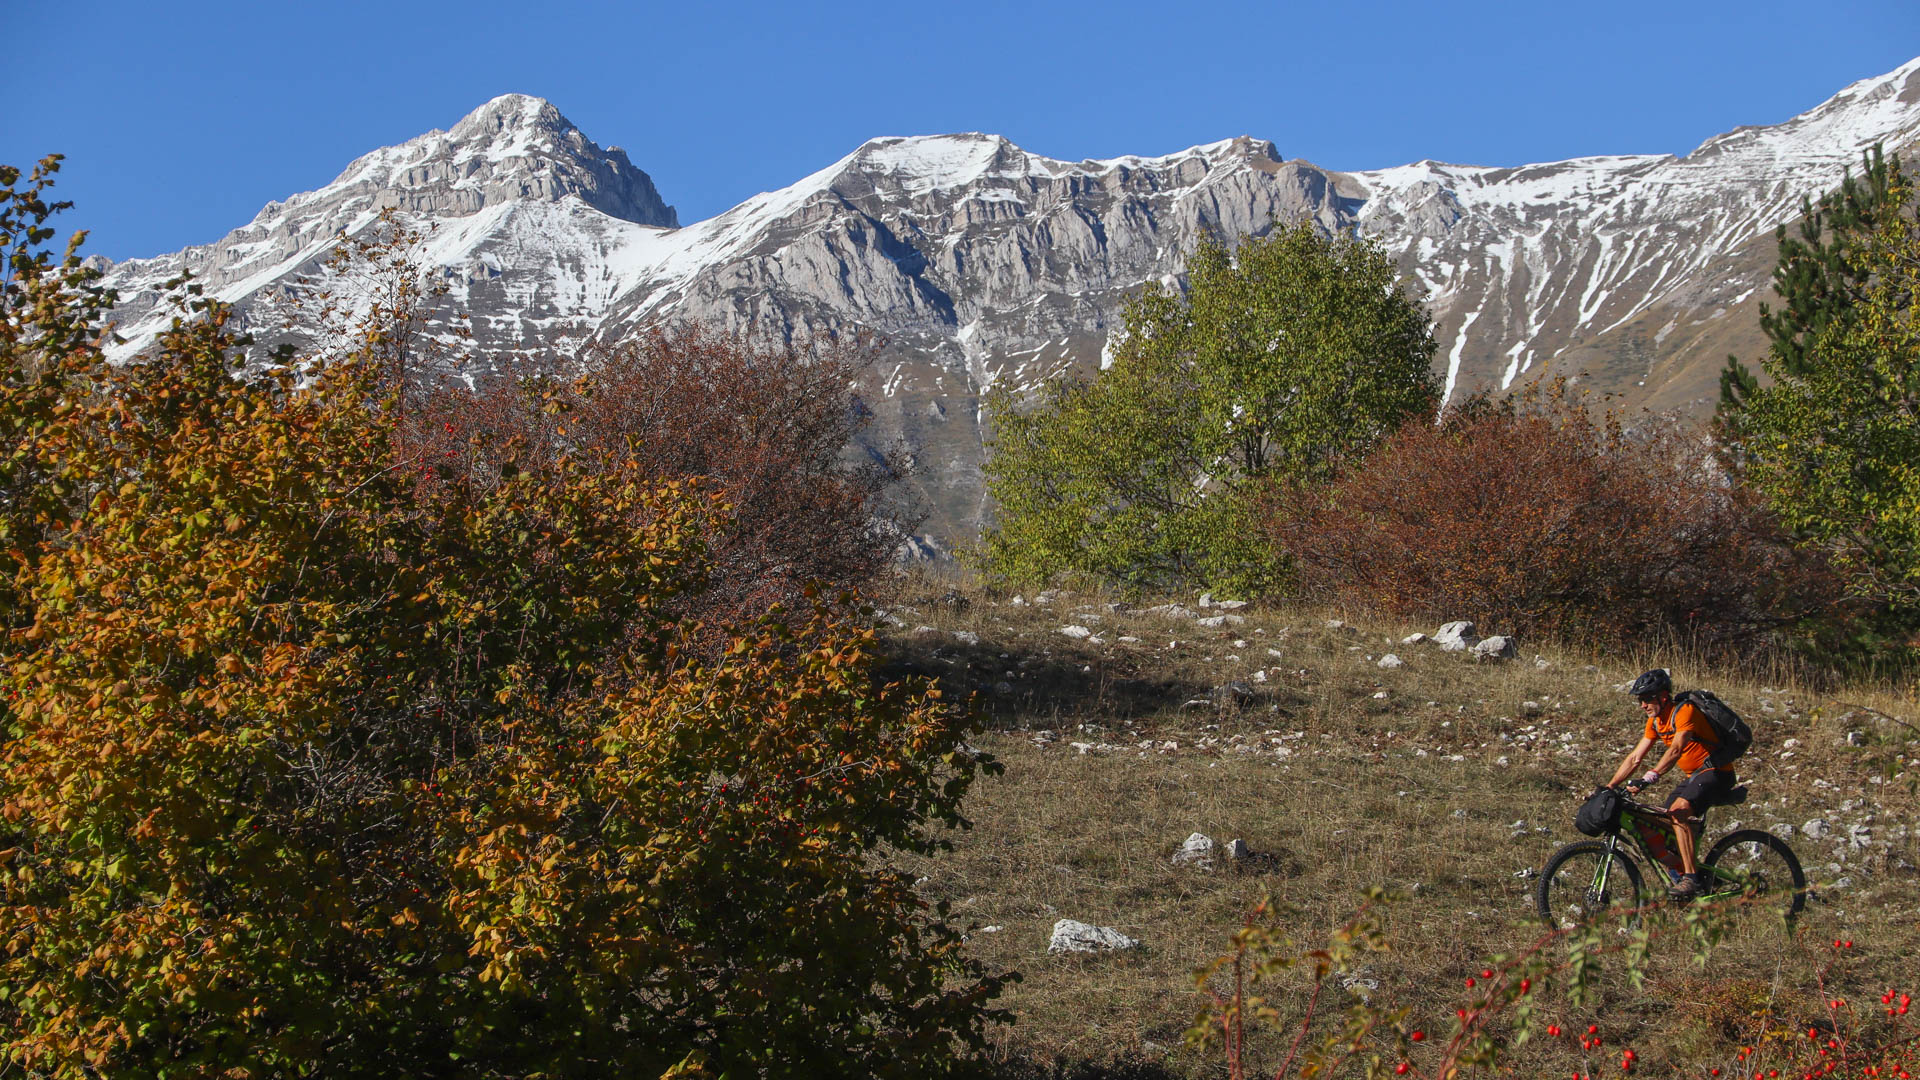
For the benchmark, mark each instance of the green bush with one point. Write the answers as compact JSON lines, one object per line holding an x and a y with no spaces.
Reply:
{"x":1285,"y":355}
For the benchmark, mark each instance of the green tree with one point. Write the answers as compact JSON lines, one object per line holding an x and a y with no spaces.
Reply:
{"x":1283,"y":356}
{"x":1834,"y":441}
{"x":331,"y":750}
{"x":1816,"y":279}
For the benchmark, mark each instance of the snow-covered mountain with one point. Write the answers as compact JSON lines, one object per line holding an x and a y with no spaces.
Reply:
{"x":978,"y":261}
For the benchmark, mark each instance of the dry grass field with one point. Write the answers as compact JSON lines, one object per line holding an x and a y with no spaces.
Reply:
{"x":1445,"y":780}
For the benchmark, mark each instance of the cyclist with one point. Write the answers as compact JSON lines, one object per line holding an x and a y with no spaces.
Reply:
{"x":1691,"y":744}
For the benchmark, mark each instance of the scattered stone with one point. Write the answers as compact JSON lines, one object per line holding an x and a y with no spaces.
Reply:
{"x":1233,"y":693}
{"x":1359,"y":982}
{"x":1196,"y":850}
{"x":1541,"y":662}
{"x":924,"y":629}
{"x":1497,"y":647}
{"x":1859,"y":836}
{"x":1815,"y":830}
{"x":1047,"y":597}
{"x":1076,"y":632}
{"x":1070,"y":935}
{"x":1526,"y":875}
{"x":1238,"y":850}
{"x":1017,"y":601}
{"x":1336,"y":624}
{"x":966,"y":637}
{"x":952,"y":598}
{"x":1171,"y":611}
{"x":1380,"y":696}
{"x":1856,"y":738}
{"x":1413,"y":639}
{"x":1214,"y":622}
{"x":1206,"y":599}
{"x":1229,"y":605}
{"x":1456,"y":637}
{"x":1531,"y":708}
{"x":1390,"y":661}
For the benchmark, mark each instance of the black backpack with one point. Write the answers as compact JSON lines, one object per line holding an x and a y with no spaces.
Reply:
{"x":1600,"y":814}
{"x":1735,"y":735}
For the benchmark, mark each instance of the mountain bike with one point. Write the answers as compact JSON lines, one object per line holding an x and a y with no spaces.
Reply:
{"x":1589,"y":878}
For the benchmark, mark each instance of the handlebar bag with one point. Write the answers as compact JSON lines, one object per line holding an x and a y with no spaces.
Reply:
{"x":1600,"y":814}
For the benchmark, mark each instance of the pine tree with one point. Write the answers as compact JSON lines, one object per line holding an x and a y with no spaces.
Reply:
{"x":1818,"y":284}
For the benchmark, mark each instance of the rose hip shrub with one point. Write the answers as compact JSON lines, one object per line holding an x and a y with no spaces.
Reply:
{"x":1532,"y":517}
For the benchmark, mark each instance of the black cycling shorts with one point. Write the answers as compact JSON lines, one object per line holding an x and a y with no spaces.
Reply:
{"x":1703,"y":789}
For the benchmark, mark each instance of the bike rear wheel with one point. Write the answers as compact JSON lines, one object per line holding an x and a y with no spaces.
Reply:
{"x":1571,"y":889}
{"x":1758,"y":864}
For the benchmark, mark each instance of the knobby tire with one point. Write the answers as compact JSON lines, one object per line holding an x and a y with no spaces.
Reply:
{"x":1545,"y":894}
{"x":1778,"y":848}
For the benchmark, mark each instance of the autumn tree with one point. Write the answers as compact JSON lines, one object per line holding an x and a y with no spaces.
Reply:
{"x":1284,"y":355}
{"x":774,"y":430}
{"x":331,"y":751}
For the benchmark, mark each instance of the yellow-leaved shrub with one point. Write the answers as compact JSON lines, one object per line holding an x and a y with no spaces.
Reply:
{"x":327,"y":753}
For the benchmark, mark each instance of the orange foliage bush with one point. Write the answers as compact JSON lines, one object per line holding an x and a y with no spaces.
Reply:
{"x":1534,"y":518}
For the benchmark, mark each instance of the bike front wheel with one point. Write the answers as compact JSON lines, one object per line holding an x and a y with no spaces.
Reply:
{"x":1758,"y":864}
{"x":1584,"y":881}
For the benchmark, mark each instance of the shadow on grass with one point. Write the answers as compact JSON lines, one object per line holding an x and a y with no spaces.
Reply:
{"x":1068,"y":685}
{"x":1026,"y":689}
{"x":1030,"y":1069}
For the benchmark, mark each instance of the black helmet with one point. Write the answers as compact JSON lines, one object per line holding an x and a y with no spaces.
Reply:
{"x":1652,"y":684}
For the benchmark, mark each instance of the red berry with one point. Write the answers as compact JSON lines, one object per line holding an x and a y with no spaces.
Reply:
{"x":1417,"y":1036}
{"x":1400,"y":1069}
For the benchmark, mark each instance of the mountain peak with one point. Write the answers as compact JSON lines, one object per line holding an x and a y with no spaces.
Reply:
{"x":514,"y":147}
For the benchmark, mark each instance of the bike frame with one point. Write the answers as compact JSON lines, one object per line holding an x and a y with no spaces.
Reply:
{"x":1636,"y":815}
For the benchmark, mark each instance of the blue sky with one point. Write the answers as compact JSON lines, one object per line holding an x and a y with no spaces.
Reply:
{"x":179,"y":121}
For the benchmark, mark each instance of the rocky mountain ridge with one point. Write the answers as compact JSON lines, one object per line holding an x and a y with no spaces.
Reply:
{"x":977,"y":261}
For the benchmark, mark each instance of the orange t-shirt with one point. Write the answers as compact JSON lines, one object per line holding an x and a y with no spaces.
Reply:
{"x":1668,"y":723}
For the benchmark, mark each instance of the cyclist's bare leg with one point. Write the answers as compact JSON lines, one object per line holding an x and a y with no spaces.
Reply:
{"x":1683,"y":822}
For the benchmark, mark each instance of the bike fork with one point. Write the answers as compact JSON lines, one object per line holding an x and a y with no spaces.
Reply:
{"x":1606,"y":866}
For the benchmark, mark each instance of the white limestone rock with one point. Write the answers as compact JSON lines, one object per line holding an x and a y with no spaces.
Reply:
{"x":1196,"y":850}
{"x":1073,"y":936}
{"x":1497,"y":647}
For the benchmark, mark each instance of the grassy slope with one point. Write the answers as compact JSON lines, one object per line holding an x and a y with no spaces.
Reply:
{"x":1443,"y":789}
